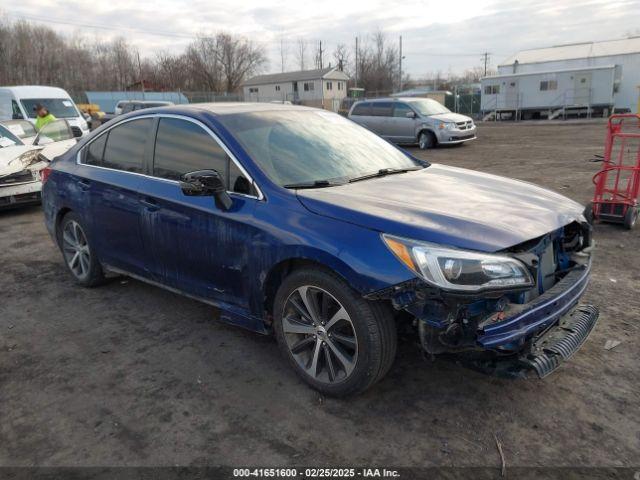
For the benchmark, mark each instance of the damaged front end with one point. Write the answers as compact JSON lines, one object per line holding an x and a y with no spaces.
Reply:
{"x":507,"y":313}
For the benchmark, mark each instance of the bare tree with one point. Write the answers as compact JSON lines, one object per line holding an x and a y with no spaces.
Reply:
{"x":342,"y":58}
{"x":301,"y":53}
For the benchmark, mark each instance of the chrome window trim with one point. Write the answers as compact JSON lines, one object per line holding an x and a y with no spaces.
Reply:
{"x":260,"y":195}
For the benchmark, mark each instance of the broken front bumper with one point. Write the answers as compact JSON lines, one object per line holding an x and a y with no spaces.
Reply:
{"x":561,"y":342}
{"x":522,"y":321}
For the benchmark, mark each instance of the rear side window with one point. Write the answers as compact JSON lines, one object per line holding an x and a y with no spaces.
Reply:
{"x":381,"y":109}
{"x":183,"y":147}
{"x":125,"y":146}
{"x":95,"y":151}
{"x":362,"y":109}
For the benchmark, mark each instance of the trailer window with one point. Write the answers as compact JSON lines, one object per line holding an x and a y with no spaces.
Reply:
{"x":492,"y":89}
{"x":548,"y":85}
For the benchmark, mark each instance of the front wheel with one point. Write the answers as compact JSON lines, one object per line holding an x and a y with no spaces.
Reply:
{"x":336,"y":341}
{"x":426,"y":140}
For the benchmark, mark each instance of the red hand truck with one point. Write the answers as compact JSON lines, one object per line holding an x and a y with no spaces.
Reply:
{"x":617,"y":184}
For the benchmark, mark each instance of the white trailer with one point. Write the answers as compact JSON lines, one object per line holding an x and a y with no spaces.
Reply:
{"x":551,"y":94}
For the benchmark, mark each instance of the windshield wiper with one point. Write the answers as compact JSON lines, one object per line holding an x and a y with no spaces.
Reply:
{"x":384,"y":172}
{"x":314,"y":184}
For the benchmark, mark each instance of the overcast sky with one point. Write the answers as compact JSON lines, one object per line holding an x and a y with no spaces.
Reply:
{"x":437,"y":35}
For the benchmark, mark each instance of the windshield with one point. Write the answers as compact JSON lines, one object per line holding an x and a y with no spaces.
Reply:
{"x":429,"y":107}
{"x":20,"y":128}
{"x":59,"y":107}
{"x":294,"y":147}
{"x":8,"y":139}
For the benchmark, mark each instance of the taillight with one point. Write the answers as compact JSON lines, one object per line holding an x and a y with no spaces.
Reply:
{"x":44,"y":174}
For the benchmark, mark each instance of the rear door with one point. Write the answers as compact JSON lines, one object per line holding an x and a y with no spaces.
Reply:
{"x":114,"y":164}
{"x":381,"y":118}
{"x":196,"y":247}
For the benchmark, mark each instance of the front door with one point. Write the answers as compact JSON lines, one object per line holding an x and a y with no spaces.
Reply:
{"x":401,"y":128}
{"x":196,"y":247}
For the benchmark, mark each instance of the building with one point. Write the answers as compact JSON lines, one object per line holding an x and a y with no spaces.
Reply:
{"x":592,"y":78}
{"x":324,"y":88}
{"x":108,"y":100}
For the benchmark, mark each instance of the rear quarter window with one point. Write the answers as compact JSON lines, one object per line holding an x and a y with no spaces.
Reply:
{"x":95,"y":151}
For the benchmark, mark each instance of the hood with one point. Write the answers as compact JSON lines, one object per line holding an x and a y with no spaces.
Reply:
{"x":451,"y":117}
{"x":15,"y":159}
{"x":446,"y":205}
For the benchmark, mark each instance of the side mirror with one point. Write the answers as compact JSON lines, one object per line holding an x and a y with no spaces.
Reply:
{"x":77,"y":132}
{"x":411,"y":114}
{"x":206,"y":183}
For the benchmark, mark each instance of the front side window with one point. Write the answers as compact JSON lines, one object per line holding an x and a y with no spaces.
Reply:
{"x":16,"y":113}
{"x":58,"y":107}
{"x":126,"y":146}
{"x":305,"y":146}
{"x":401,"y":110}
{"x":183,"y":147}
{"x":56,"y":131}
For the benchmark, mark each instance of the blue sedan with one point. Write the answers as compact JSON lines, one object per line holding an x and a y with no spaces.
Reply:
{"x":297,"y":222}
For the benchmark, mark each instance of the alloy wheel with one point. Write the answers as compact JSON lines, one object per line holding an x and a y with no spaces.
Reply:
{"x":320,"y":334}
{"x":76,"y":249}
{"x":424,"y":141}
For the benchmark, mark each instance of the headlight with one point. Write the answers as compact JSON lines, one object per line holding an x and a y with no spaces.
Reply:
{"x":453,"y":269}
{"x":446,"y":126}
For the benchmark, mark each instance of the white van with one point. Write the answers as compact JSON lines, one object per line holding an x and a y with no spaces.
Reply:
{"x":19,"y":102}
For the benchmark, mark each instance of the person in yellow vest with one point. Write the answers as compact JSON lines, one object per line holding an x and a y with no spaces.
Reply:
{"x":43,"y":116}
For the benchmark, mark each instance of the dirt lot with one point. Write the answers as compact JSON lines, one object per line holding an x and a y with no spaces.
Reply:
{"x":128,"y":374}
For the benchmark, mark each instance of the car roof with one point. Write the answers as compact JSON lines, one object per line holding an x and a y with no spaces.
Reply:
{"x":225,"y":108}
{"x":36,"y":91}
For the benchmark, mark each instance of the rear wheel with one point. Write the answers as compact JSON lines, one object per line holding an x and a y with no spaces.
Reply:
{"x":336,"y":341}
{"x":631,"y":217}
{"x":426,"y":140}
{"x":78,"y":253}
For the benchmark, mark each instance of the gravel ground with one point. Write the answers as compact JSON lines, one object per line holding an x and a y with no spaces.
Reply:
{"x":128,"y":374}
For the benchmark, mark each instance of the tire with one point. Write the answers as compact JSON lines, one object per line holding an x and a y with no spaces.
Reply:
{"x":630,"y":218}
{"x":78,"y":253}
{"x":588,"y":213}
{"x":336,"y":357}
{"x":427,"y":140}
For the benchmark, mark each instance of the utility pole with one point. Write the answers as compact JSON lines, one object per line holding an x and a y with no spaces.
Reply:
{"x":401,"y":57}
{"x":485,"y":56}
{"x":356,"y":74}
{"x":320,"y":55}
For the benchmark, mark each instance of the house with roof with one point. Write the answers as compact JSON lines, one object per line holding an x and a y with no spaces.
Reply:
{"x":323,"y":88}
{"x":591,"y":78}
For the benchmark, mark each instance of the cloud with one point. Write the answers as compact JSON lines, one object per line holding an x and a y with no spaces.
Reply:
{"x":437,"y":36}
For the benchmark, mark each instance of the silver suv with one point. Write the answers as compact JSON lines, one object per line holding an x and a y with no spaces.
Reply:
{"x":413,"y":120}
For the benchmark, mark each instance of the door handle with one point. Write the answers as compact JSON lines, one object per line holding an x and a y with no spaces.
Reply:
{"x":150,"y":204}
{"x":84,"y":185}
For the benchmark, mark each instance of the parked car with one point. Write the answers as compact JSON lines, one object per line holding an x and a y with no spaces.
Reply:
{"x":21,"y":163}
{"x":299,"y":222}
{"x":127,"y":106}
{"x":23,"y":129}
{"x":413,"y":120}
{"x":18,"y":103}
